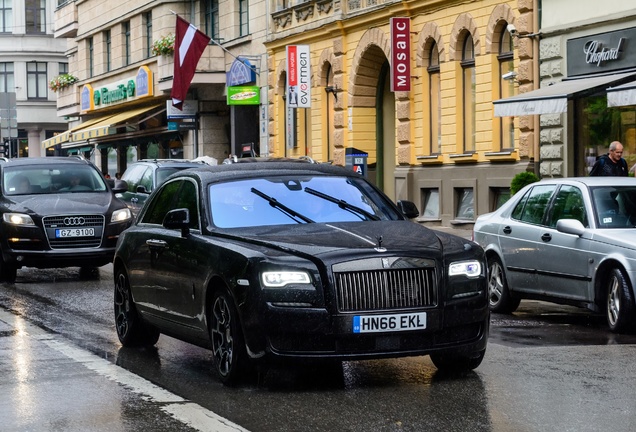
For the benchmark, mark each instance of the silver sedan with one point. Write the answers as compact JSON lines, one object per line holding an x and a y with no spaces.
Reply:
{"x":569,"y":241}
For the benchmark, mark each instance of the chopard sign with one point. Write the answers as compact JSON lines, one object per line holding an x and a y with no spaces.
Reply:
{"x":596,"y":53}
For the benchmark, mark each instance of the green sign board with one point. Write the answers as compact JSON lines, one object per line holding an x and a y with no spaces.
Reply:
{"x":243,"y":95}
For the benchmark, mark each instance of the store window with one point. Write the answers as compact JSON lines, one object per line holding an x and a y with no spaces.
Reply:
{"x":597,"y":126}
{"x":435,"y":101}
{"x":6,"y":16}
{"x":469,"y":93}
{"x":506,"y":89}
{"x":36,"y":80}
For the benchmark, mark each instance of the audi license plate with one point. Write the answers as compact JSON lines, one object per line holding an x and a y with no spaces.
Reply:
{"x":75,"y":232}
{"x":389,"y":323}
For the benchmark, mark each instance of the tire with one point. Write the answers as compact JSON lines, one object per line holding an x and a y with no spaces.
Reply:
{"x":131,"y":330}
{"x":619,"y":302}
{"x":8,"y":272}
{"x":230,"y":356}
{"x":89,"y":273}
{"x":455,"y":363}
{"x":499,"y":298}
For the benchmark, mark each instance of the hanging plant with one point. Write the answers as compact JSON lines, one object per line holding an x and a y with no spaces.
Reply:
{"x":62,"y":81}
{"x":164,"y":45}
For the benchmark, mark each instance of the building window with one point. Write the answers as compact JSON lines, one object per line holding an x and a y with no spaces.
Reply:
{"x":212,"y":19}
{"x":465,"y":204}
{"x":468,"y":91}
{"x":435,"y":101}
{"x":126,"y":31}
{"x":91,"y":62}
{"x":107,"y":44}
{"x":499,"y":197}
{"x":148,"y":37}
{"x":506,"y":89}
{"x":244,"y":28}
{"x":6,"y":78}
{"x":430,"y":203}
{"x":35,"y":11}
{"x":6,"y":16}
{"x":36,"y":80}
{"x":62,"y":68}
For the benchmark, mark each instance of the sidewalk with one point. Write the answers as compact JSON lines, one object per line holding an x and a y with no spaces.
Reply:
{"x":51,"y":385}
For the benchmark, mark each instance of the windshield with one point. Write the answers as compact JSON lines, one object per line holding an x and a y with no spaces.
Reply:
{"x":615,"y":206}
{"x":293,"y":200}
{"x":49,"y":179}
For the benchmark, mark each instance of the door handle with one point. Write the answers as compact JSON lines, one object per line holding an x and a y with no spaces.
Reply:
{"x":507,"y":230}
{"x":156,"y":244}
{"x":546,"y":237}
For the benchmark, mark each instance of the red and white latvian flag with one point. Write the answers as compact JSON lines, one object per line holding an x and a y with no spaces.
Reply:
{"x":188,"y":46}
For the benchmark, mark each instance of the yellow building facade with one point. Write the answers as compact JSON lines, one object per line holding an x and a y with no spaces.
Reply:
{"x":438,"y":144}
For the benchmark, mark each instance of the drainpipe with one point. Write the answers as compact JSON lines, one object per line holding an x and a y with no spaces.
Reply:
{"x":537,"y":84}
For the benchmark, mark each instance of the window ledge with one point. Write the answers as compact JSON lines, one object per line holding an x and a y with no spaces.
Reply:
{"x":462,"y":222}
{"x":465,"y":157}
{"x":503,"y":156}
{"x":430,"y":160}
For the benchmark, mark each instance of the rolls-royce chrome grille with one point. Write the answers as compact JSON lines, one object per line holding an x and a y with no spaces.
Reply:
{"x":96,"y":222}
{"x":385,"y":289}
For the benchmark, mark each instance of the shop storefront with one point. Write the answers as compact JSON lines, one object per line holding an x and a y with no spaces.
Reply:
{"x":587,"y":109}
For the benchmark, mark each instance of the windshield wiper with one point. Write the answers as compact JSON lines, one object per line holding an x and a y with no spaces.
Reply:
{"x":293,"y":214}
{"x":343,"y":205}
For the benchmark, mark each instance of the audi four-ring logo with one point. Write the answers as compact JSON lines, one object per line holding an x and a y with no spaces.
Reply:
{"x":69,"y":221}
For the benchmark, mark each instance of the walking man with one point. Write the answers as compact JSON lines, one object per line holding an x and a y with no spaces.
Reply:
{"x":612,"y":163}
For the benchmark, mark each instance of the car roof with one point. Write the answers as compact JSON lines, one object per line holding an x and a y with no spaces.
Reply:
{"x":48,"y":160}
{"x":593,"y":181}
{"x":257,"y":167}
{"x":169,"y":162}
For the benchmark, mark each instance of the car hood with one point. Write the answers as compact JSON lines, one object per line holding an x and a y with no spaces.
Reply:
{"x":619,"y":237}
{"x":51,"y":204}
{"x":319,"y":238}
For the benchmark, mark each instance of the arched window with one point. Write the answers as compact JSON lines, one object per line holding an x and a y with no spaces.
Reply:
{"x":506,"y":89}
{"x":468,"y":90}
{"x":435,"y":101}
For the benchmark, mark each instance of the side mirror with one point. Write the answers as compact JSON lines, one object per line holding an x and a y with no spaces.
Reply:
{"x":408,"y":209}
{"x":570,"y":226}
{"x":142,"y":189}
{"x":119,"y":186}
{"x":178,"y":219}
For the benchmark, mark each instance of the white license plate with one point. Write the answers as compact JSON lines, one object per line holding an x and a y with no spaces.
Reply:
{"x":75,"y":232}
{"x":389,"y":323}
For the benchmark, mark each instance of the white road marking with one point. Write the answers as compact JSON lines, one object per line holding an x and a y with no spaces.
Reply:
{"x":189,"y":413}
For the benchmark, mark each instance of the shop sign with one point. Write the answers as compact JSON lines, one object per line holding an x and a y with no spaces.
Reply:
{"x":243,"y":95}
{"x":189,"y":109}
{"x":241,"y":72}
{"x":93,"y":98}
{"x":298,"y":89}
{"x":400,"y":54}
{"x":603,"y":52}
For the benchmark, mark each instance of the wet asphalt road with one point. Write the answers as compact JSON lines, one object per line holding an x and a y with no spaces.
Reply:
{"x":547,"y":368}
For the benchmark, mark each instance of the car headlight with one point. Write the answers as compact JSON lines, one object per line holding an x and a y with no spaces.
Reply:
{"x":276,"y":279}
{"x":121,"y":215}
{"x":18,"y":219}
{"x":465,"y":268}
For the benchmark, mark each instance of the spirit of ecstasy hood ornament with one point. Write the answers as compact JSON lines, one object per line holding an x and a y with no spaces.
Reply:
{"x":379,"y":248}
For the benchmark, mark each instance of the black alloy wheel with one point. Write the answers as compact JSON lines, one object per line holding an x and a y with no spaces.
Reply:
{"x":456,"y":363}
{"x":229,"y":352}
{"x":131,"y":330}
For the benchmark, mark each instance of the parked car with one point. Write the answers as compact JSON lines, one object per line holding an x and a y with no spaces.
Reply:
{"x":568,"y":241}
{"x":296,"y":260}
{"x":57,"y":212}
{"x":143,"y":176}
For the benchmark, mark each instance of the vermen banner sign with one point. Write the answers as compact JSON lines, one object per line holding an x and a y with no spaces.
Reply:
{"x":298,"y":89}
{"x":400,"y":54}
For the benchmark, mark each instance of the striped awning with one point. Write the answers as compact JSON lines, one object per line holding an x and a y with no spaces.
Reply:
{"x":103,"y":127}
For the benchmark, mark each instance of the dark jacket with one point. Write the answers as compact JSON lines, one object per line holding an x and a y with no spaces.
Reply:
{"x":604,"y":166}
